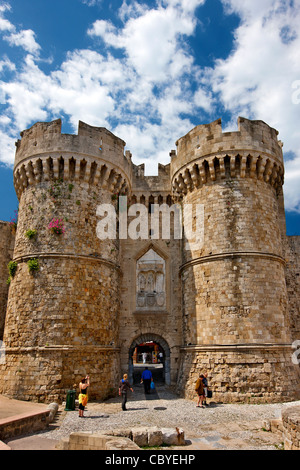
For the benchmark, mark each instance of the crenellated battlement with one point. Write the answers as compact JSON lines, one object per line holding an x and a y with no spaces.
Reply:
{"x":206,"y":154}
{"x":221,"y":293}
{"x":94,"y":155}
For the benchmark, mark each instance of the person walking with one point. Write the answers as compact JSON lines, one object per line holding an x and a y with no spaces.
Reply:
{"x":146,"y":379}
{"x":205,"y":386}
{"x":83,"y":396}
{"x":124,"y":386}
{"x":199,"y":388}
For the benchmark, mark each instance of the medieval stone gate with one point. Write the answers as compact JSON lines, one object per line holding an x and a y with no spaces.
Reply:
{"x":220,"y":302}
{"x":156,"y":339}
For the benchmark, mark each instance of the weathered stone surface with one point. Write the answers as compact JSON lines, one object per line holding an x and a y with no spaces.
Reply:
{"x":155,"y":437}
{"x":53,"y":407}
{"x":173,"y":437}
{"x":140,"y":436}
{"x":291,"y":428}
{"x":132,"y":439}
{"x":7,"y":240}
{"x":228,"y":304}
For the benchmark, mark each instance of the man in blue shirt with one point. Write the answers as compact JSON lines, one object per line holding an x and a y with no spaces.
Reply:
{"x":146,"y":379}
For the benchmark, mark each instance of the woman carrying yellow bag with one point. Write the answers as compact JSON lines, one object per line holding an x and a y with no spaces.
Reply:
{"x":83,"y":397}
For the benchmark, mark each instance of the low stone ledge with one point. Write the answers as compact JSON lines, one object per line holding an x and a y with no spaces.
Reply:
{"x":291,"y":428}
{"x":96,"y":441}
{"x":123,"y":439}
{"x":152,"y":436}
{"x":288,"y":426}
{"x":23,"y":424}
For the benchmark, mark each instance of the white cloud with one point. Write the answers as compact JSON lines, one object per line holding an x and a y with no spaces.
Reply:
{"x":131,"y":10}
{"x":91,"y":3}
{"x":6,"y":64}
{"x":104,"y":29}
{"x":203,"y":99}
{"x":152,"y":39}
{"x":95,"y":88}
{"x":76,"y":90}
{"x":7,"y":150}
{"x":5,"y":25}
{"x":152,"y":84}
{"x":291,"y":188}
{"x":256,"y":79}
{"x":25,"y":39}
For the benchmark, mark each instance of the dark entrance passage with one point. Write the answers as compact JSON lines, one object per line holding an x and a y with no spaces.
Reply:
{"x":156,"y":370}
{"x":150,"y":351}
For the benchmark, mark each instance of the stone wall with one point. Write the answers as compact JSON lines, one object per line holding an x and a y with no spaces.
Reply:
{"x":292,"y":255}
{"x":233,"y":278}
{"x":233,"y":285}
{"x":291,"y":428}
{"x":161,"y":324}
{"x":227,"y":304}
{"x":63,"y":319}
{"x":7,"y":239}
{"x":241,"y":373}
{"x":23,"y":424}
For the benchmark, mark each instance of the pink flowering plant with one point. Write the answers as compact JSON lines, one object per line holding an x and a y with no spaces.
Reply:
{"x":14,"y":221}
{"x":57,"y":226}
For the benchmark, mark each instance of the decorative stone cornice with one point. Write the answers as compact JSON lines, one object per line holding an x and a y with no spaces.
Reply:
{"x":238,"y":164}
{"x":236,"y":347}
{"x":92,"y":257}
{"x":94,"y":156}
{"x":231,"y":255}
{"x":73,"y":168}
{"x":207,"y":154}
{"x":62,"y":347}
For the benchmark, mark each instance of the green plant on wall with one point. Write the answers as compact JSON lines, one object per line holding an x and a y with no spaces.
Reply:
{"x":30,"y":234}
{"x":33,"y":265}
{"x":12,"y":268}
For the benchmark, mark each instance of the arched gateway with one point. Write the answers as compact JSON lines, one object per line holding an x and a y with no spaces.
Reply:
{"x":149,"y":337}
{"x":215,"y":294}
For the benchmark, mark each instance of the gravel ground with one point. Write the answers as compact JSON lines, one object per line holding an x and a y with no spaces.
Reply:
{"x":220,"y":426}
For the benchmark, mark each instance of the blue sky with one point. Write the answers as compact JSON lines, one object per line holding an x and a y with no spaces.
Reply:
{"x":149,"y":72}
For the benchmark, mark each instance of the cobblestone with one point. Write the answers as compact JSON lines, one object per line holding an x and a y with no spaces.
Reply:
{"x":219,"y":426}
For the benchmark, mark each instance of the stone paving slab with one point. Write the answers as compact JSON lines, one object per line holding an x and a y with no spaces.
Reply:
{"x":10,"y":407}
{"x":32,"y":443}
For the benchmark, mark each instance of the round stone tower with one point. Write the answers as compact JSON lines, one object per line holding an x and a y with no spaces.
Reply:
{"x":235,"y":316}
{"x":63,"y":304}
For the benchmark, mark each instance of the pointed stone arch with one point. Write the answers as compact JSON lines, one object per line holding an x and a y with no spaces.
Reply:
{"x":148,"y":246}
{"x":151,"y":280}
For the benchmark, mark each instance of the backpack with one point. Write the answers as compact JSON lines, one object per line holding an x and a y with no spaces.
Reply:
{"x":198,"y":383}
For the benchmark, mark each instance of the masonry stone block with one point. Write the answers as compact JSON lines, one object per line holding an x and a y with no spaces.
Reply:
{"x":222,"y":299}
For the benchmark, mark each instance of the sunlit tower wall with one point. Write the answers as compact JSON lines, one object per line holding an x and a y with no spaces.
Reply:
{"x":235,"y":313}
{"x":62,"y":319}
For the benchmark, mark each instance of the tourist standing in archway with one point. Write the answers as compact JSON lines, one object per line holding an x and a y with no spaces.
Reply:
{"x":146,"y":379}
